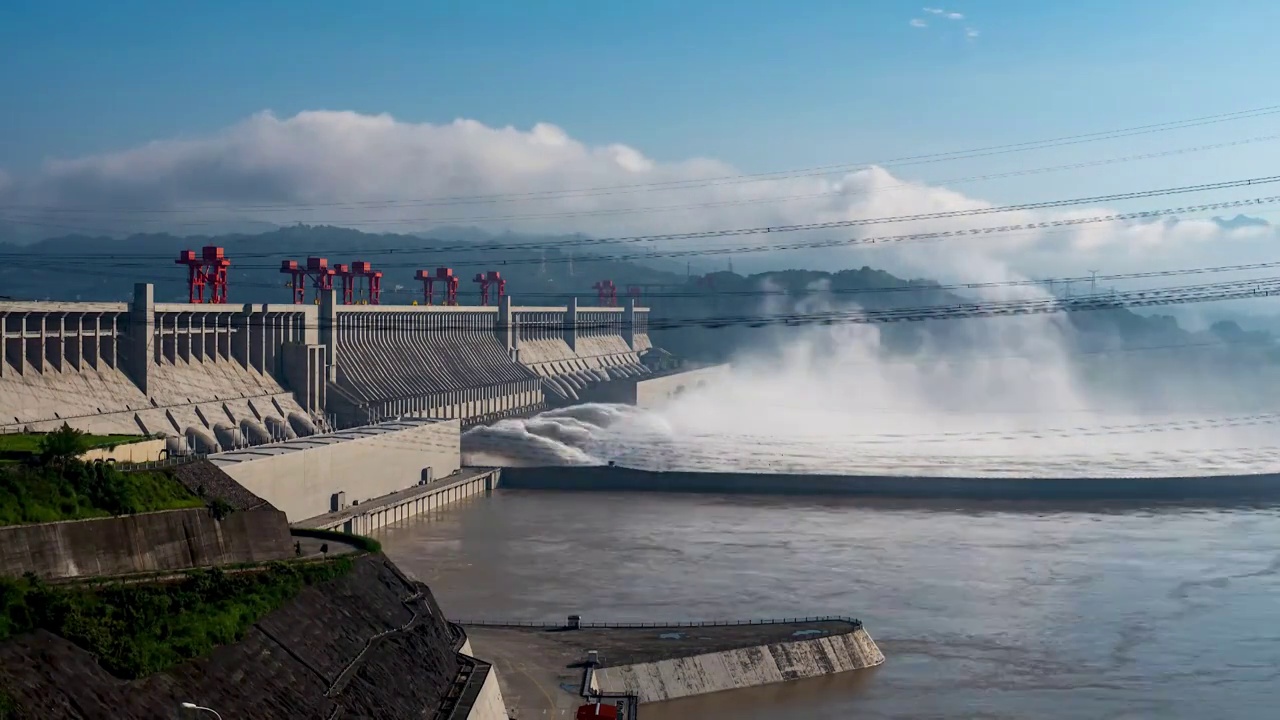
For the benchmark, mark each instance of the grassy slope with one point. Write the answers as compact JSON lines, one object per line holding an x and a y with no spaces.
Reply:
{"x":34,"y":495}
{"x":30,"y":442}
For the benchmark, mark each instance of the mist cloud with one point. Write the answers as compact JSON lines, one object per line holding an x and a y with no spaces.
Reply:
{"x":822,"y":399}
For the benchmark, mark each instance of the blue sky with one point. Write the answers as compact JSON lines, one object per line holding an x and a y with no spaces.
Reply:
{"x":764,"y":85}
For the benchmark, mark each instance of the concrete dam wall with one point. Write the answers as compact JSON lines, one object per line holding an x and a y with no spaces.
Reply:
{"x":654,"y":389}
{"x":218,"y":377}
{"x":577,"y":351}
{"x":210,"y":376}
{"x":426,"y":362}
{"x":149,"y":542}
{"x":741,"y":668}
{"x":1206,"y":488}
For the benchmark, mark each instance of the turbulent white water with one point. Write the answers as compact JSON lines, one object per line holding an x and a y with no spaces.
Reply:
{"x":830,"y":399}
{"x":1131,"y":446}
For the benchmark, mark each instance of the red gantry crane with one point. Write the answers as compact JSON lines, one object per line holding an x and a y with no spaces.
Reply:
{"x":607,"y":293}
{"x":208,"y":268}
{"x":316,"y":269}
{"x":485,"y":280}
{"x":442,"y":275}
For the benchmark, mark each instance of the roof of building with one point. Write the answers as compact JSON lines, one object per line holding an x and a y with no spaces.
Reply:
{"x":313,"y":441}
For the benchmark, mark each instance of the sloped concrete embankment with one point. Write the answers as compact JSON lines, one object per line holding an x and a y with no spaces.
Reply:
{"x":148,"y":542}
{"x":372,"y":644}
{"x":742,"y":668}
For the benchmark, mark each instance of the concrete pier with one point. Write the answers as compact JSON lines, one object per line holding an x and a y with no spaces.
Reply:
{"x":544,"y":667}
{"x":377,"y":513}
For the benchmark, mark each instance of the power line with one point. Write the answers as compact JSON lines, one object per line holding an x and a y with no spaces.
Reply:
{"x":732,"y":179}
{"x":1205,"y":292}
{"x":859,"y":222}
{"x":910,"y":287}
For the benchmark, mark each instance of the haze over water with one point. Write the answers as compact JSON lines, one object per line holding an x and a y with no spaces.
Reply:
{"x":983,"y":611}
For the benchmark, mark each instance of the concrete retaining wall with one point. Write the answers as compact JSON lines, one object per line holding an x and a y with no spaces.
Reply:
{"x":748,"y":667}
{"x":323,"y":473}
{"x":655,"y":391}
{"x":489,"y":705}
{"x":149,"y":542}
{"x":651,"y":390}
{"x":137,"y":452}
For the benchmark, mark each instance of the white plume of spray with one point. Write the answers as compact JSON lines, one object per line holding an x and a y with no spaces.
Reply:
{"x":829,"y":399}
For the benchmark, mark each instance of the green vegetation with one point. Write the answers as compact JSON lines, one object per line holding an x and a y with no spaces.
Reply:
{"x":138,"y":629}
{"x":367,"y":544}
{"x":53,"y":485}
{"x":16,"y":445}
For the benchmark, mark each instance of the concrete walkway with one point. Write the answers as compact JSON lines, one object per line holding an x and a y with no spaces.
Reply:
{"x":336,"y":519}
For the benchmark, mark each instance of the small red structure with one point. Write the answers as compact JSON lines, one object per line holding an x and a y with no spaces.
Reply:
{"x":597,"y":711}
{"x":351,"y":274}
{"x":444,"y":275}
{"x":316,"y":269}
{"x":485,"y":280}
{"x":209,"y":268}
{"x":297,"y":279}
{"x":607,"y":292}
{"x":373,"y":280}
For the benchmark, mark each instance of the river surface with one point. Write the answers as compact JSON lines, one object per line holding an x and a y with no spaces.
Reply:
{"x":983,"y":611}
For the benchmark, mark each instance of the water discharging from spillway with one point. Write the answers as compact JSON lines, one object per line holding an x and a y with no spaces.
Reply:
{"x":1114,"y":446}
{"x":1007,"y":397}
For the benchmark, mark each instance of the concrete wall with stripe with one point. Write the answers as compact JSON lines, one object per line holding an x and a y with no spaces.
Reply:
{"x":747,"y":667}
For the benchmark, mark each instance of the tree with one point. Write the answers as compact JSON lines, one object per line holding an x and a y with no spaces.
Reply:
{"x":63,"y":445}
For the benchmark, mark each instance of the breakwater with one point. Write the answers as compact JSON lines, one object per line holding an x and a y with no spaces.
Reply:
{"x":765,"y":664}
{"x":1207,"y":487}
{"x":550,"y":667}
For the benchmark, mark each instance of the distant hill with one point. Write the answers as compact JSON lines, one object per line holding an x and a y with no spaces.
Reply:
{"x":1240,"y":221}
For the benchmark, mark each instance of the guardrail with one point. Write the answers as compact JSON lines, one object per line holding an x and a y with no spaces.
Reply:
{"x":465,"y":689}
{"x":660,"y":625}
{"x":171,"y":461}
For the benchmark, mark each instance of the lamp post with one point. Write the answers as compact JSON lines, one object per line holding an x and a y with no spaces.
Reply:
{"x":193,"y":706}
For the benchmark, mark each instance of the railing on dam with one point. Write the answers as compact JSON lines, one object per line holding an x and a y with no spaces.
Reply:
{"x":660,"y":625}
{"x":167,"y":462}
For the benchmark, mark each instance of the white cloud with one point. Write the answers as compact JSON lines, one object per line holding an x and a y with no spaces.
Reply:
{"x":955,"y":16}
{"x":378,"y":173}
{"x":934,"y":11}
{"x":970,"y":32}
{"x":917,"y":22}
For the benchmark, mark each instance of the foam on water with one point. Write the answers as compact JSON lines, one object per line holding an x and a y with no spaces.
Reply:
{"x":633,"y":437}
{"x":1000,"y":397}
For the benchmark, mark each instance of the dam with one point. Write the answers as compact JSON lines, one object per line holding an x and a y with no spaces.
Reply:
{"x":304,"y":428}
{"x":219,"y":376}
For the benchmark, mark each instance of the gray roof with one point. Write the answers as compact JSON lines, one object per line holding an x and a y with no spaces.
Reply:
{"x":291,"y":446}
